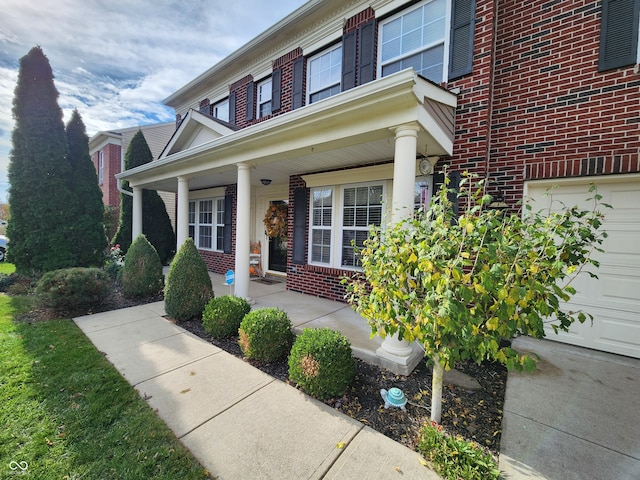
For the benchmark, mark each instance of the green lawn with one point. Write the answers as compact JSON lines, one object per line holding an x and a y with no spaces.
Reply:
{"x":66,"y":413}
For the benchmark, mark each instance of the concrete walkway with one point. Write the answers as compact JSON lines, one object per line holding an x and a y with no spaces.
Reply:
{"x":575,"y":418}
{"x":239,"y":422}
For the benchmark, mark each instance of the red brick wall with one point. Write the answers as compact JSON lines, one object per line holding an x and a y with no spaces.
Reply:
{"x":285,"y":63}
{"x":554,"y":114}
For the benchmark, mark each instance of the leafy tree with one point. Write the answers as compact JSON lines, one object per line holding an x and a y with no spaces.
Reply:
{"x":459,"y":285}
{"x":156,"y":224}
{"x":39,"y":172}
{"x":87,"y":236}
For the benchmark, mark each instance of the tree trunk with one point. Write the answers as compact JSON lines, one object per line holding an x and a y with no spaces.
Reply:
{"x":436,"y":390}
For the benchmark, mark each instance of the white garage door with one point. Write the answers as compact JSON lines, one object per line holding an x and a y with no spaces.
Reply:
{"x":613,"y":299}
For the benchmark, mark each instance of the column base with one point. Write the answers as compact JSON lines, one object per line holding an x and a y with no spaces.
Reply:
{"x":400,"y":365}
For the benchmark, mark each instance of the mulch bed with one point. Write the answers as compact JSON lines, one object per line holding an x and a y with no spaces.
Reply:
{"x":475,"y":415}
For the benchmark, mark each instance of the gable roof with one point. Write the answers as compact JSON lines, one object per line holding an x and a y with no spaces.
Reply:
{"x":195,"y":129}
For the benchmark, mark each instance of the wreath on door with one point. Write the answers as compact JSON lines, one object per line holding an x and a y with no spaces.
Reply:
{"x":275,"y":220}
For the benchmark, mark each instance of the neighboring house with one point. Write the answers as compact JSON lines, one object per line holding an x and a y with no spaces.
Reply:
{"x":346,"y":112}
{"x":107,"y":150}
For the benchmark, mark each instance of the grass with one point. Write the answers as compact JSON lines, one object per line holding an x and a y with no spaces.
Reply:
{"x":66,"y":413}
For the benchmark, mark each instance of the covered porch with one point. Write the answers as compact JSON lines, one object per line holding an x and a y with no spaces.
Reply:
{"x":387,"y":131}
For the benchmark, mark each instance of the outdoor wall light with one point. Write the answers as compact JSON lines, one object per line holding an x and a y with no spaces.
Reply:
{"x":265,"y":181}
{"x":393,"y":398}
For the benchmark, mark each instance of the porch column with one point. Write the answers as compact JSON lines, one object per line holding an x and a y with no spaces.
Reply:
{"x":136,"y":220}
{"x":182,"y":222}
{"x":243,"y":231}
{"x":397,"y":355}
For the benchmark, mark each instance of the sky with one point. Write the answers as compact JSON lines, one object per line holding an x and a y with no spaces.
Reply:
{"x":116,"y":61}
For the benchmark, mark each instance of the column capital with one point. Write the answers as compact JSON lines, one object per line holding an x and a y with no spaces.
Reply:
{"x":406,"y":130}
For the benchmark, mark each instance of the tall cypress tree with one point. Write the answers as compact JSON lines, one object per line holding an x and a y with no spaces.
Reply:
{"x":156,"y":224}
{"x":88,"y":235}
{"x":39,"y":172}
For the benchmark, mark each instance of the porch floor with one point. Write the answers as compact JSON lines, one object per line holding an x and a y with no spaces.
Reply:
{"x":306,"y":311}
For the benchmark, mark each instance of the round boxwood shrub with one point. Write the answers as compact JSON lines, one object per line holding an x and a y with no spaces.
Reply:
{"x":222,"y":315}
{"x":73,"y":290}
{"x":188,"y":284}
{"x":265,"y":334}
{"x":142,"y":270}
{"x":321,"y":363}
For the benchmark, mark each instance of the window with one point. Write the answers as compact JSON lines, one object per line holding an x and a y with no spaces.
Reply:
{"x":264,"y":98}
{"x":221,"y":110}
{"x":416,"y":38}
{"x":100,"y":167}
{"x":362,"y":207}
{"x":206,"y":225}
{"x":321,"y":223}
{"x":343,"y":221}
{"x":324,"y":73}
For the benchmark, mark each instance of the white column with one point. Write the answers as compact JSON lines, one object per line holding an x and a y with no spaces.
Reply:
{"x":182,"y":222}
{"x":243,"y":231}
{"x":136,"y":220}
{"x":399,"y":355}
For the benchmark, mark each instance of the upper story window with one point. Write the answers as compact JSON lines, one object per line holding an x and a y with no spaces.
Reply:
{"x":264,"y":98}
{"x":416,"y":38}
{"x":221,"y":110}
{"x":100,"y":167}
{"x":324,"y":73}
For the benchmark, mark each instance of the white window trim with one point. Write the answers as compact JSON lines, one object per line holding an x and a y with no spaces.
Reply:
{"x":218,"y":103}
{"x":196,"y":225}
{"x":337,"y":226}
{"x":447,"y":35}
{"x":258,"y":103}
{"x":318,"y":55}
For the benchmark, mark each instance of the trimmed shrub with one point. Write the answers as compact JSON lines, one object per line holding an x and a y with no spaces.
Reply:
{"x":142,"y":271}
{"x":188,"y":284}
{"x":222,"y":315}
{"x":73,"y":290}
{"x":265,"y":334}
{"x":321,"y":363}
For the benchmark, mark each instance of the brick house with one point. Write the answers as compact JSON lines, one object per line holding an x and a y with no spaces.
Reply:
{"x":107,"y":150}
{"x":344,"y":113}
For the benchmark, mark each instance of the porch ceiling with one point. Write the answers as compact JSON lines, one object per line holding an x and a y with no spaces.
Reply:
{"x":353,"y":128}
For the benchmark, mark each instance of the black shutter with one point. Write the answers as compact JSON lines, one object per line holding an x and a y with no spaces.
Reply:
{"x":297,"y":93}
{"x":367,"y":54}
{"x":232,"y":108}
{"x":299,"y":226}
{"x":618,"y":34}
{"x":463,"y":24}
{"x":454,"y":184}
{"x":276,"y":88}
{"x":349,"y":60}
{"x":228,"y":219}
{"x":251,"y":106}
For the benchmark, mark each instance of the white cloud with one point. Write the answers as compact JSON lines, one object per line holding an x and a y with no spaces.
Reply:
{"x":115,"y":62}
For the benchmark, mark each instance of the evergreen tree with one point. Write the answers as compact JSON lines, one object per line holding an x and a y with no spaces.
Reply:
{"x":39,"y":172}
{"x":88,"y":236}
{"x":156,"y":224}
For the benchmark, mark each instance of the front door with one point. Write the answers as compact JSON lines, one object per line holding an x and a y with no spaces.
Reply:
{"x":276,"y":229}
